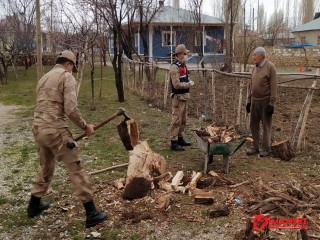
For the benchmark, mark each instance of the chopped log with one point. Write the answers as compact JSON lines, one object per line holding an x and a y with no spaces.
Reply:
{"x":167,"y":176}
{"x":129,"y":133}
{"x":193,"y":183}
{"x":176,"y":181}
{"x":166,"y":186}
{"x":219,"y":212}
{"x":143,"y":162}
{"x":182,"y":189}
{"x":163,"y":202}
{"x":304,"y":234}
{"x":203,"y":198}
{"x":119,"y":183}
{"x":250,"y":234}
{"x":205,"y":182}
{"x":282,"y":150}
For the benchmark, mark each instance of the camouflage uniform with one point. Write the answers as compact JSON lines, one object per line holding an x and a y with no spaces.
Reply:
{"x":57,"y":100}
{"x":180,"y":85}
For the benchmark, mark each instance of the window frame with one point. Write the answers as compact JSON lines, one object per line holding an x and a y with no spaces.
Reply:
{"x":168,"y":33}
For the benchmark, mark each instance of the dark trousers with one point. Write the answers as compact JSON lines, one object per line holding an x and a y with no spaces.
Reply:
{"x":259,"y":114}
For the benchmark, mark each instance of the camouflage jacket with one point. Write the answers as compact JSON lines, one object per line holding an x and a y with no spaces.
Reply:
{"x":57,"y":100}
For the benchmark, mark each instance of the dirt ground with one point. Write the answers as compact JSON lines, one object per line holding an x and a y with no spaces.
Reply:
{"x":140,"y":219}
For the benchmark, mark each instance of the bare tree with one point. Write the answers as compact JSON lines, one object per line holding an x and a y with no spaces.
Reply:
{"x":195,"y":8}
{"x":274,"y":25}
{"x":231,"y":13}
{"x":114,"y":12}
{"x":262,"y":20}
{"x":217,"y":7}
{"x":19,"y":29}
{"x":306,"y":10}
{"x":295,"y":14}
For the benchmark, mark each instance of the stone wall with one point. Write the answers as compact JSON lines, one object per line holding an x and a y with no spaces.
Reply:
{"x":287,"y":57}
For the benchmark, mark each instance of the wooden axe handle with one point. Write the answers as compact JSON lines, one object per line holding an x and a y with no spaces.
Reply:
{"x":120,"y":112}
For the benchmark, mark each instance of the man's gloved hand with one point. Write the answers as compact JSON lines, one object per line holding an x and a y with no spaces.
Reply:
{"x":270,"y":110}
{"x":248,"y":107}
{"x":191,"y":82}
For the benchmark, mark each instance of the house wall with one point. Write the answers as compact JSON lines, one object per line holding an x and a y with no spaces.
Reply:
{"x":311,"y":37}
{"x":186,"y":35}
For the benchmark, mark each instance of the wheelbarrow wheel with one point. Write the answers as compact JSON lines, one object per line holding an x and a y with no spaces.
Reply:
{"x":225,"y":163}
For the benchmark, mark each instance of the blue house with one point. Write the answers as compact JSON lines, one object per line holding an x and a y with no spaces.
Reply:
{"x":173,"y":25}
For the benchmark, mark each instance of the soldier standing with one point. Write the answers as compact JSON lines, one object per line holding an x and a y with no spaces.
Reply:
{"x":57,"y":100}
{"x":180,"y":85}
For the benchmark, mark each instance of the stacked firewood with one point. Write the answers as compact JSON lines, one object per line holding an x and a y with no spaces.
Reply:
{"x":214,"y":133}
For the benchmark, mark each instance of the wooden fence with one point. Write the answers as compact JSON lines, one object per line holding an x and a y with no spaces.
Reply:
{"x":221,"y":97}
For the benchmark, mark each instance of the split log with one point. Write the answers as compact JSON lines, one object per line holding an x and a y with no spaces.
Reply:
{"x":143,"y":164}
{"x":167,"y":176}
{"x":250,"y":234}
{"x":176,"y":181}
{"x":282,"y":150}
{"x":219,"y":212}
{"x":166,"y":186}
{"x":129,"y":133}
{"x":119,"y":183}
{"x":163,"y":202}
{"x":203,"y":198}
{"x":193,"y":183}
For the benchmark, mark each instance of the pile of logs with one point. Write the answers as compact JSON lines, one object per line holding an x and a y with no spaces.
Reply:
{"x":289,"y":201}
{"x":286,"y":201}
{"x":213,"y":133}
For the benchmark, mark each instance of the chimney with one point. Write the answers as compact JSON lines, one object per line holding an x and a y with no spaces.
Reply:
{"x":161,"y":3}
{"x":176,"y":4}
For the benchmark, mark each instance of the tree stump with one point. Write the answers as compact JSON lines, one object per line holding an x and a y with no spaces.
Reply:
{"x":282,"y":150}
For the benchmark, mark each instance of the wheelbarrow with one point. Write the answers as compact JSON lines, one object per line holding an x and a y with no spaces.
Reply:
{"x":218,"y":148}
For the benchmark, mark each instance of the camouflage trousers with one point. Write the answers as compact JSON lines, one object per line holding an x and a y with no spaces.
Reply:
{"x":53,"y":147}
{"x":179,"y":118}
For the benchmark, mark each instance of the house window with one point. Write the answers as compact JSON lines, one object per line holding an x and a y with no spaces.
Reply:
{"x":166,"y":38}
{"x":303,"y":40}
{"x":319,"y":40}
{"x":136,"y":40}
{"x":198,"y":36}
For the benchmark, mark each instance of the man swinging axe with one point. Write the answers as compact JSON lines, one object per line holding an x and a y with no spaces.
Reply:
{"x":57,"y":100}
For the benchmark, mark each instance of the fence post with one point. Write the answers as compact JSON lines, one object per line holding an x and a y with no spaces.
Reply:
{"x":206,"y":90}
{"x":213,"y":86}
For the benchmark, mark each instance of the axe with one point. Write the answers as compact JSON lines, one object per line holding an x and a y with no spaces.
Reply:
{"x":120,"y":112}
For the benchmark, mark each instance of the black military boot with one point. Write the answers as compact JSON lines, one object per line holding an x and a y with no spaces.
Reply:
{"x":182,"y":142}
{"x":35,"y":206}
{"x":175,"y":146}
{"x":93,"y":217}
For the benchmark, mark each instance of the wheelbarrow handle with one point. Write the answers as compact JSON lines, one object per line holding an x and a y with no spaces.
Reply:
{"x":120,"y":112}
